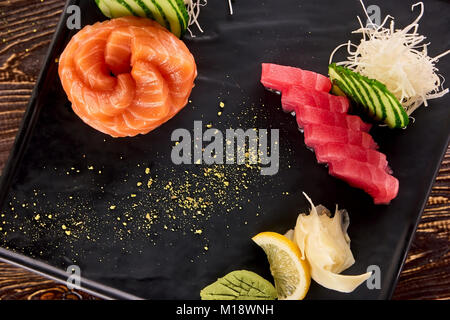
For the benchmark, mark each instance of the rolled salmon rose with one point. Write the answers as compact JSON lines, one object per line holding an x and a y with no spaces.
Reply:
{"x":126,"y":76}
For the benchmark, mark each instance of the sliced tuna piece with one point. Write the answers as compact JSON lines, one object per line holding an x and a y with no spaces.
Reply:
{"x":375,"y":181}
{"x":309,"y":115}
{"x":279,"y":78}
{"x":332,"y":152}
{"x":316,"y":135}
{"x":340,"y":140}
{"x":296,"y":96}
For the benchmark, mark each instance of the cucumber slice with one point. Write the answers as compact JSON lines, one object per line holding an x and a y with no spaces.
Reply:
{"x":335,"y":90}
{"x":114,"y":8}
{"x":138,"y":7}
{"x":171,"y":14}
{"x":159,"y":14}
{"x":370,"y":94}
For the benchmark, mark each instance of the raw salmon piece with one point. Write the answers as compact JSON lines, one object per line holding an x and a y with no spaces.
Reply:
{"x":309,"y":115}
{"x":279,"y":78}
{"x":296,"y":96}
{"x":126,"y":76}
{"x":118,"y":51}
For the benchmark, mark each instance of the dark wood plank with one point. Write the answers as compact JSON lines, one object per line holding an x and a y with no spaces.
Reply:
{"x":426,"y":274}
{"x":17,"y":283}
{"x":26,"y":27}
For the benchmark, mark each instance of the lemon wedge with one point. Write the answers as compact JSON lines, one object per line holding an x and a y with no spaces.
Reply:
{"x":291,"y":274}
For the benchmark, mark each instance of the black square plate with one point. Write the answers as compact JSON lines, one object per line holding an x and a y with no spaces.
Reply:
{"x":131,"y":219}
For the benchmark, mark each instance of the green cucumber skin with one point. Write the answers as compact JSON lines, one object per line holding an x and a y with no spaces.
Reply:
{"x":349,"y":92}
{"x":144,"y":7}
{"x":127,"y":6}
{"x":182,"y":7}
{"x":371,"y":94}
{"x":176,"y":23}
{"x":181,"y":21}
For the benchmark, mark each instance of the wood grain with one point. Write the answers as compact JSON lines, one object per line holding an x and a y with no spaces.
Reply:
{"x":426,"y":273}
{"x":26,"y":27}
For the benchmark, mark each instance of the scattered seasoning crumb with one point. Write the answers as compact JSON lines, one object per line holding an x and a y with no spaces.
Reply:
{"x":186,"y":203}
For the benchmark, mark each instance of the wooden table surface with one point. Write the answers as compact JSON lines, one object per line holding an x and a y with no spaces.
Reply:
{"x":26,"y":28}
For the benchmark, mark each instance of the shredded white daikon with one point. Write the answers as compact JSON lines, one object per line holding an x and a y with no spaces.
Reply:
{"x":398,"y":58}
{"x":193,"y":8}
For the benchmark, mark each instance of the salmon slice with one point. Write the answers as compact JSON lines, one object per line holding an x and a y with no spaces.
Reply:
{"x":118,"y":51}
{"x":126,"y":76}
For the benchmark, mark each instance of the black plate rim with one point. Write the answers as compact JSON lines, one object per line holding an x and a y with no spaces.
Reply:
{"x":90,"y":287}
{"x":407,"y":246}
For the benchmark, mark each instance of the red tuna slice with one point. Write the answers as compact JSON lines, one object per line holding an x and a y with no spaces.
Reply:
{"x":297,"y":96}
{"x":279,"y":78}
{"x":375,"y":181}
{"x":310,"y":115}
{"x":331,"y":152}
{"x":316,"y":135}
